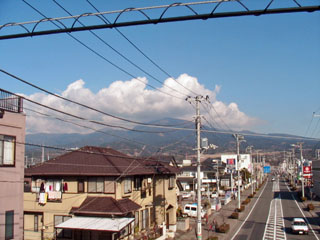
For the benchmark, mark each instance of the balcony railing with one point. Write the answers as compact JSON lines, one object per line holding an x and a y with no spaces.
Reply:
{"x":10,"y":102}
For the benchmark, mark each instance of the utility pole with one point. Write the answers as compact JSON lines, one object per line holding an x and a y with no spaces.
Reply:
{"x":198,"y":126}
{"x":301,"y":163}
{"x":239,"y":138}
{"x":252,"y":164}
{"x":205,"y":146}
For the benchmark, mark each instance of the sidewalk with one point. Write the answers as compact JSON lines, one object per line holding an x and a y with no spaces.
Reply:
{"x":222,"y":216}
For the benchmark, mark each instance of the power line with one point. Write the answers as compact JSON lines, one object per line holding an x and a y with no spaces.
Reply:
{"x":119,"y":53}
{"x":161,"y":19}
{"x":83,"y":126}
{"x":139,"y":50}
{"x":81,"y":104}
{"x":82,"y":118}
{"x":165,"y":127}
{"x":101,"y":56}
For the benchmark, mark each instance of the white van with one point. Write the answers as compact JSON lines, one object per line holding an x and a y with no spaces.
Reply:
{"x":191,"y":210}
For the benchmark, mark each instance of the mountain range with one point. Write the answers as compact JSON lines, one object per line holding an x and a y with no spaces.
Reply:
{"x":163,"y":140}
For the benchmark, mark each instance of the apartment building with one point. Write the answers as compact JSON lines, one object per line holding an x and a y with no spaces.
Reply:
{"x":98,"y":193}
{"x":12,"y":137}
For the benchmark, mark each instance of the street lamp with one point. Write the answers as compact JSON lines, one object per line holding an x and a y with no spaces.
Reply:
{"x":239,"y":138}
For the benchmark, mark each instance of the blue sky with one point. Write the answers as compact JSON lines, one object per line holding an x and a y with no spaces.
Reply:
{"x":269,"y":66}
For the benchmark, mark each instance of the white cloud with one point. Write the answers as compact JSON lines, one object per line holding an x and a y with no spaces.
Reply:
{"x":133,"y":100}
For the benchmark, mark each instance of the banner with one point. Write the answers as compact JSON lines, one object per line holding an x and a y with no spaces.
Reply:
{"x":306,"y":169}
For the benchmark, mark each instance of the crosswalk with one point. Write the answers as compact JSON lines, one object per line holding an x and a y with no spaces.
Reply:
{"x":275,"y":224}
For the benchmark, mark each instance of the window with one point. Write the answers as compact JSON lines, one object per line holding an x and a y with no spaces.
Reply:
{"x":171,"y":182}
{"x":127,"y":185}
{"x":96,"y":185}
{"x":109,"y":185}
{"x":36,"y":223}
{"x":9,"y":225}
{"x":80,"y":186}
{"x":136,"y":219}
{"x":62,"y":233}
{"x":145,"y":218}
{"x":137,"y":183}
{"x":7,"y":150}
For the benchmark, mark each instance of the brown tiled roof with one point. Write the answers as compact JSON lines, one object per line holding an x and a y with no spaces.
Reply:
{"x":97,"y":161}
{"x":106,"y":206}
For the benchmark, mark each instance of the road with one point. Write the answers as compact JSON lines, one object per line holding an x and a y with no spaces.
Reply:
{"x":272,"y":214}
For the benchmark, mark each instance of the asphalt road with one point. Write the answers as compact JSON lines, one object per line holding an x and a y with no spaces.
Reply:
{"x":254,"y":226}
{"x":272,"y":215}
{"x":291,"y":210}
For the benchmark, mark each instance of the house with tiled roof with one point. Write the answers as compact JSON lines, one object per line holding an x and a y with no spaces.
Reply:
{"x":99,"y":193}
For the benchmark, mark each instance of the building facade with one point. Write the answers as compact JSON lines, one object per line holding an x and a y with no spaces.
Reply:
{"x":12,"y":137}
{"x":99,"y":185}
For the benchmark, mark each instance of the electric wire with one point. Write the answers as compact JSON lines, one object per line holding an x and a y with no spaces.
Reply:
{"x":101,"y":56}
{"x":84,"y":119}
{"x":81,"y":104}
{"x":306,"y":133}
{"x":139,"y":50}
{"x":86,"y":127}
{"x":212,"y":107}
{"x":119,"y":53}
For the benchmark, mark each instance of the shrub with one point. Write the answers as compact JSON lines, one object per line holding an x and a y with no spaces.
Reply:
{"x":310,"y":206}
{"x":223,"y":228}
{"x":241,"y":209}
{"x":212,"y":238}
{"x":245,"y":202}
{"x":234,"y":215}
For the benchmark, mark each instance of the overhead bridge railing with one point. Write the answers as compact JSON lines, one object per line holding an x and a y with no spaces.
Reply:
{"x":148,"y":16}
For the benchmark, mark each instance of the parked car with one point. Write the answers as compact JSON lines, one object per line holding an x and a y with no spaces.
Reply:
{"x":299,"y":226}
{"x":190,"y":210}
{"x":186,"y":195}
{"x":214,"y":194}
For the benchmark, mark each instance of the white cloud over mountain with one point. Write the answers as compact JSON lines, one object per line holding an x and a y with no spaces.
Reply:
{"x":134,"y":100}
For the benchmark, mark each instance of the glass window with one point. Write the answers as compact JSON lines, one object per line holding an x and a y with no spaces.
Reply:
{"x":127,"y":185}
{"x":136,"y":219}
{"x":96,"y":185}
{"x":137,"y":183}
{"x":109,"y":185}
{"x":9,"y":225}
{"x":7,"y":150}
{"x":80,"y":186}
{"x":36,"y":223}
{"x":171,"y":182}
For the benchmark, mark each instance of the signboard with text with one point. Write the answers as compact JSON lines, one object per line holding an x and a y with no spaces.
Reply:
{"x":266,"y":169}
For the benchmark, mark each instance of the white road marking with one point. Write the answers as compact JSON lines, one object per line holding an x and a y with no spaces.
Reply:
{"x":249,"y":213}
{"x":275,"y":225}
{"x":303,"y":214}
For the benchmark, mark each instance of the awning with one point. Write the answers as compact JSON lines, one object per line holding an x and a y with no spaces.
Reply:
{"x":95,"y":223}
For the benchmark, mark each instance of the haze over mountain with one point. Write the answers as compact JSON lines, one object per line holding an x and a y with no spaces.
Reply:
{"x":166,"y":141}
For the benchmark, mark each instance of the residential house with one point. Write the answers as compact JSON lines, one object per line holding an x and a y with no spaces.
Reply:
{"x":99,"y":193}
{"x":12,"y":137}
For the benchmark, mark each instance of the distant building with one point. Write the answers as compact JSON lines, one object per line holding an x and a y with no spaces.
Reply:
{"x":12,"y":137}
{"x":99,"y":193}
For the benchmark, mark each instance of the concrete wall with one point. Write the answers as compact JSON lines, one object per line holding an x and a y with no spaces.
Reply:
{"x":11,"y":177}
